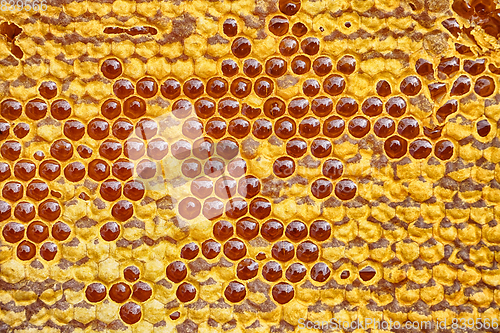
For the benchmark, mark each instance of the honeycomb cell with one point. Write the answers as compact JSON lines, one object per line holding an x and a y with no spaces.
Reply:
{"x":321,"y":188}
{"x":452,"y":26}
{"x":24,"y":211}
{"x":130,"y":313}
{"x":384,"y":127}
{"x":437,"y":90}
{"x":263,"y":87}
{"x":320,"y":230}
{"x":225,"y":187}
{"x":346,"y":65}
{"x":347,"y":106}
{"x":333,"y":169}
{"x":241,"y":47}
{"x":449,"y":66}
{"x":272,"y":230}
{"x":191,"y":168}
{"x":5,"y":170}
{"x":213,"y":208}
{"x":475,"y":67}
{"x":345,"y":275}
{"x":204,"y":108}
{"x":189,"y":208}
{"x":484,"y":86}
{"x":285,"y":128}
{"x":297,"y":107}
{"x":307,"y":252}
{"x":48,"y":251}
{"x":109,"y":149}
{"x":189,"y":251}
{"x":309,"y":127}
{"x":26,"y":250}
{"x":146,"y":128}
{"x":395,"y":106}
{"x":272,"y":271}
{"x":320,"y":272}
{"x":214,"y":167}
{"x":448,"y":108}
{"x":111,"y":68}
{"x":122,"y":169}
{"x":296,"y":147}
{"x":11,"y":109}
{"x":39,"y":155}
{"x":276,"y":67}
{"x":230,"y":27}
{"x":229,"y":67}
{"x":210,"y":249}
{"x":239,"y":128}
{"x":249,"y":111}
{"x":74,"y":172}
{"x":98,"y":170}
{"x":300,"y":65}
{"x":237,"y":167}
{"x":249,"y":186}
{"x":134,"y":190}
{"x":310,"y":45}
{"x":228,"y":107}
{"x":252,"y":68}
{"x":367,"y":273}
{"x":175,"y":315}
{"x":35,"y":109}
{"x":260,"y":208}
{"x":223,"y":230}
{"x":146,"y":87}
{"x":321,"y":147}
{"x":461,"y":86}
{"x":193,"y":88}
{"x":171,"y":89}
{"x":74,"y":130}
{"x":181,"y":149}
{"x":483,"y":127}
{"x":311,"y":87}
{"x":146,"y":169}
{"x":48,"y":89}
{"x":110,"y":190}
{"x":283,"y":167}
{"x":60,"y":109}
{"x":420,"y":148}
{"x":11,"y":150}
{"x":13,"y":191}
{"x":235,"y":249}
{"x":333,"y":127}
{"x":95,"y":292}
{"x":322,"y":66}
{"x":345,"y":189}
{"x":299,"y":29}
{"x":410,"y":86}
{"x":395,"y":147}
{"x":296,"y":272}
{"x":247,"y":228}
{"x":123,"y":88}
{"x":120,"y":292}
{"x":235,"y":292}
{"x":372,"y":106}
{"x":182,"y":108}
{"x":131,"y":273}
{"x":409,"y":128}
{"x":110,"y":231}
{"x":334,"y":85}
{"x":134,"y":107}
{"x":98,"y":129}
{"x":247,"y":269}
{"x":21,"y":130}
{"x":216,"y":128}
{"x":283,"y":293}
{"x":283,"y":251}
{"x":122,"y":128}
{"x":141,"y":291}
{"x":433,"y":133}
{"x":296,"y":231}
{"x":383,"y":88}
{"x":278,"y":25}
{"x":444,"y":149}
{"x":13,"y":232}
{"x":289,"y":7}
{"x":424,"y":67}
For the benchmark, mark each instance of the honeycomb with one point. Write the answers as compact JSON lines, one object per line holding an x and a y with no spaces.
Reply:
{"x":248,"y":165}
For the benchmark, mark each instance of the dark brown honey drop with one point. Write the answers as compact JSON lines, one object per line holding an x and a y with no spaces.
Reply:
{"x":321,"y":106}
{"x":320,"y":272}
{"x":5,"y":129}
{"x":237,"y":167}
{"x":236,"y":208}
{"x":11,"y":150}
{"x":345,"y":275}
{"x":310,"y":45}
{"x":203,"y":148}
{"x":239,"y":128}
{"x":274,"y":107}
{"x":424,"y":67}
{"x":461,"y":86}
{"x":433,"y":133}
{"x":278,"y":25}
{"x":147,"y":87}
{"x":13,"y":191}
{"x":24,"y":170}
{"x":285,"y":128}
{"x":347,"y":106}
{"x":170,"y":89}
{"x":322,"y":66}
{"x":5,"y":210}
{"x":484,"y":86}
{"x":111,"y":68}
{"x":321,"y":147}
{"x":213,"y":208}
{"x":229,"y":68}
{"x":437,"y":90}
{"x":372,"y":106}
{"x":122,"y":128}
{"x":483,"y":127}
{"x":250,"y":112}
{"x":334,"y":85}
{"x":452,"y":26}
{"x":26,"y":250}
{"x":223,"y":230}
{"x":345,"y":189}
{"x":247,"y":228}
{"x":272,"y":271}
{"x":247,"y":269}
{"x":410,"y":86}
{"x":146,"y":128}
{"x":227,"y":148}
{"x":311,"y":87}
{"x":252,"y":68}
{"x":123,"y":88}
{"x":296,"y":147}
{"x":109,"y":149}
{"x":298,"y":107}
{"x":193,"y":88}
{"x":228,"y":107}
{"x":110,"y":190}
{"x":37,"y":232}
{"x":283,"y":293}
{"x":225,"y":187}
{"x":449,"y":66}
{"x":48,"y":89}
{"x":134,"y":107}
{"x":189,"y":208}
{"x":295,"y":272}
{"x":21,"y":130}
{"x":216,"y":128}
{"x":110,"y":231}
{"x":120,"y":292}
{"x":190,"y":251}
{"x":39,"y":155}
{"x":346,"y":65}
{"x":175,"y":315}
{"x":409,"y":128}
{"x":475,"y":67}
{"x":61,"y":150}
{"x":235,"y":292}
{"x":235,"y":249}
{"x":463,"y":49}
{"x":288,"y":46}
{"x":241,"y":47}
{"x":263,"y":87}
{"x":35,"y":109}
{"x":384,"y":127}
{"x":289,"y":7}
{"x":301,"y":65}
{"x":448,"y":108}
{"x":204,"y":108}
{"x":98,"y":129}
{"x":383,"y":88}
{"x":122,"y":210}
{"x":299,"y":29}
{"x":307,"y":251}
{"x":95,"y":292}
{"x":48,"y":251}
{"x":230,"y":27}
{"x":283,"y":251}
{"x":367,"y":273}
{"x":49,"y":170}
{"x":276,"y":67}
{"x":333,"y":169}
{"x":5,"y":170}
{"x":260,"y":208}
{"x":74,"y":130}
{"x":283,"y":167}
{"x":321,"y":188}
{"x":333,"y":127}
{"x":60,"y":109}
{"x":98,"y":170}
{"x":309,"y":127}
{"x":131,"y":273}
{"x":181,"y":149}
{"x":420,"y":148}
{"x":122,"y":169}
{"x":395,"y":147}
{"x":359,"y":127}
{"x":320,"y":230}
{"x":74,"y":172}
{"x":272,"y":230}
{"x":192,"y":128}
{"x":176,"y":271}
{"x":24,"y":211}
{"x":182,"y":108}
{"x":13,"y":232}
{"x":395,"y":106}
{"x":296,"y":231}
{"x":130,"y":313}
{"x":214,"y":167}
{"x":210,"y":249}
{"x":11,"y":109}
{"x":134,"y":190}
{"x":111,"y":109}
{"x":444,"y":149}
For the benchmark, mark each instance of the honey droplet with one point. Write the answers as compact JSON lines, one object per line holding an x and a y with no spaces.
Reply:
{"x":141,"y":291}
{"x":21,"y":130}
{"x":13,"y":191}
{"x":189,"y":208}
{"x":310,"y":45}
{"x":11,"y":109}
{"x":301,"y":65}
{"x":475,"y":67}
{"x":236,"y":208}
{"x":285,"y":128}
{"x":13,"y":232}
{"x":461,"y":86}
{"x":334,"y":85}
{"x":239,"y":128}
{"x":230,"y":27}
{"x":210,"y":249}
{"x":110,"y":231}
{"x":170,"y":89}
{"x":296,"y":147}
{"x":123,"y":88}
{"x":247,"y":269}
{"x":395,"y":147}
{"x":241,"y":47}
{"x":283,"y":293}
{"x":48,"y":89}
{"x":60,"y":109}
{"x":307,"y":251}
{"x":229,"y":68}
{"x":247,"y":228}
{"x":175,"y":315}
{"x":37,"y":232}
{"x":263,"y":87}
{"x":278,"y":25}
{"x":283,"y":167}
{"x":130,"y":313}
{"x":345,"y":189}
{"x":345,"y":275}
{"x":283,"y":251}
{"x":290,"y":8}
{"x":372,"y":106}
{"x":411,"y":85}
{"x":383,"y":88}
{"x":111,"y":68}
{"x":61,"y":231}
{"x":228,"y":107}
{"x":346,"y":65}
{"x":333,"y":169}
{"x":483,"y":127}
{"x":322,"y":66}
{"x":131,"y":273}
{"x":420,"y":148}
{"x":449,"y":66}
{"x":320,"y":230}
{"x":321,"y":188}
{"x":320,"y":272}
{"x":448,"y":108}
{"x":444,"y":149}
{"x":272,"y":271}
{"x":367,"y":273}
{"x":276,"y":67}
{"x":186,"y":292}
{"x":424,"y":67}
{"x":26,"y":250}
{"x":295,"y":272}
{"x":48,"y":251}
{"x":437,"y":90}
{"x":252,"y":68}
{"x":120,"y":292}
{"x":452,"y":26}
{"x":311,"y":87}
{"x":395,"y":106}
{"x":193,"y":88}
{"x":49,"y":210}
{"x":288,"y":46}
{"x":235,"y":249}
{"x":214,"y":167}
{"x":190,"y":251}
{"x":359,"y":127}
{"x":333,"y":127}
{"x":299,"y":29}
{"x":384,"y":127}
{"x":95,"y":292}
{"x":35,"y":109}
{"x":296,"y":231}
{"x":134,"y":107}
{"x":272,"y":230}
{"x":484,"y":86}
